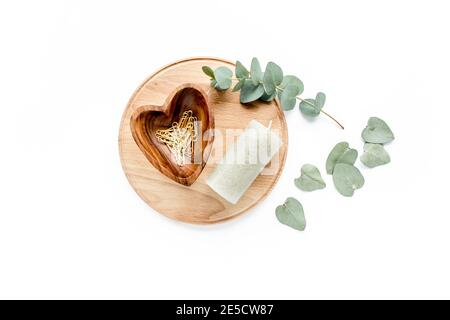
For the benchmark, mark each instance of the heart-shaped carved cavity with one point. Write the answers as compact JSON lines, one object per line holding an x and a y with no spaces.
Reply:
{"x":149,"y":122}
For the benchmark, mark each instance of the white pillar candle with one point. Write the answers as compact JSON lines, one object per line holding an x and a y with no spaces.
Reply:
{"x":244,"y":161}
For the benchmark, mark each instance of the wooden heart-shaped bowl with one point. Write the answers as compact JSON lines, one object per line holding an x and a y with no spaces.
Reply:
{"x":148,"y":119}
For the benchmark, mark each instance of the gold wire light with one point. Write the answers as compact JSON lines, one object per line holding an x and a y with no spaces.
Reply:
{"x":180,"y":137}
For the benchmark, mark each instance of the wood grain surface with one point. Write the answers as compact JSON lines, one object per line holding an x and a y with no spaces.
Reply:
{"x":198,"y":203}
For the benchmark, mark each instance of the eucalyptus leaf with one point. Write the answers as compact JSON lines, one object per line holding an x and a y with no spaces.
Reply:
{"x":308,"y":107}
{"x":348,"y":157}
{"x":268,"y":82}
{"x":292,"y":80}
{"x":377,"y":131}
{"x":341,"y":153}
{"x":255,"y":72}
{"x":251,"y":92}
{"x":276,"y":71}
{"x":374,"y":155}
{"x":223,"y":85}
{"x":223,"y":77}
{"x":291,"y":213}
{"x":310,"y":179}
{"x":288,"y":97}
{"x":208,"y":71}
{"x":320,"y":100}
{"x":239,"y":85}
{"x":268,"y":98}
{"x":213,"y":83}
{"x":241,"y":71}
{"x":347,"y":178}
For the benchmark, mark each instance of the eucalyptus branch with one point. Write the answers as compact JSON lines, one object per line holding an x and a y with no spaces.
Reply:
{"x":254,"y":84}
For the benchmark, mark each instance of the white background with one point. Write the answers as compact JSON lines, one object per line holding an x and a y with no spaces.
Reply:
{"x":72,"y":227}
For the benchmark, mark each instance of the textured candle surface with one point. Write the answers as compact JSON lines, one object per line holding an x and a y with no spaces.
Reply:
{"x":244,"y":161}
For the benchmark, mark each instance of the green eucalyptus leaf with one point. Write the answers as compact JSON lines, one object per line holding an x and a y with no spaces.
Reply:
{"x":374,"y":155}
{"x":310,"y":179}
{"x":223,"y":72}
{"x":241,"y":71}
{"x":348,"y":157}
{"x":213,"y":83}
{"x":292,"y":80}
{"x":276,"y":71}
{"x":223,"y":77}
{"x":251,"y":92}
{"x":291,"y":213}
{"x":320,"y":100}
{"x":239,"y":85}
{"x":377,"y":131}
{"x":341,"y":153}
{"x":255,"y":72}
{"x":347,"y":178}
{"x":208,"y":71}
{"x":223,"y":85}
{"x":308,"y":107}
{"x":268,"y":98}
{"x":288,"y":97}
{"x":268,"y":82}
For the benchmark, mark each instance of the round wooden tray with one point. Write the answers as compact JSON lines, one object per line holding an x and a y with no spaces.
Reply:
{"x":198,"y":203}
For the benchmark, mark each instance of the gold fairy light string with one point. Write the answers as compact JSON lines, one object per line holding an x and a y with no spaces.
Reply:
{"x":180,"y":137}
